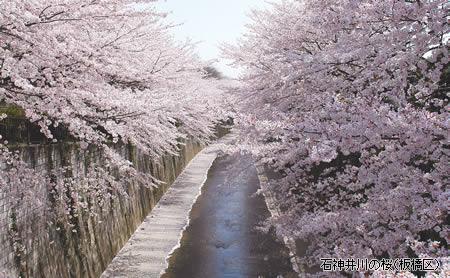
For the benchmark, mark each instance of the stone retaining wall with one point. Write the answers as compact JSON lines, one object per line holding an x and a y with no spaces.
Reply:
{"x":30,"y":247}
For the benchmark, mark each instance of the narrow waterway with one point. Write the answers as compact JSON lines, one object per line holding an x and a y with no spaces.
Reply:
{"x":222,"y":240}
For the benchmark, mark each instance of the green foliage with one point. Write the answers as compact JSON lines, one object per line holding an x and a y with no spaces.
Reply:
{"x":12,"y":111}
{"x":131,"y":153}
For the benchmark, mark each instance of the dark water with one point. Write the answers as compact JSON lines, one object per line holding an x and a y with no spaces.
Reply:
{"x":221,"y":240}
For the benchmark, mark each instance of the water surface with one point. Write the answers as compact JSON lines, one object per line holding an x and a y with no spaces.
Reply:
{"x":222,"y":240}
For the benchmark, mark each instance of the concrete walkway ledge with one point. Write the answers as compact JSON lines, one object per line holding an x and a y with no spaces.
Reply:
{"x":146,"y":252}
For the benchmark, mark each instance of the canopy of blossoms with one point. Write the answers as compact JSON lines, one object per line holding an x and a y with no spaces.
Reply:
{"x":350,"y":101}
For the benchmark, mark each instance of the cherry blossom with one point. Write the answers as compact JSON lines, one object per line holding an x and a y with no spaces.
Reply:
{"x":105,"y":72}
{"x":349,"y":100}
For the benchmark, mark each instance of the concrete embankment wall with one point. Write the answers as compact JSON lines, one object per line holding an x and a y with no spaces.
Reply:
{"x":82,"y":244}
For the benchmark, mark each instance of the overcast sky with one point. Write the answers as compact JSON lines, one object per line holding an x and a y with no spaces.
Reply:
{"x":211,"y":22}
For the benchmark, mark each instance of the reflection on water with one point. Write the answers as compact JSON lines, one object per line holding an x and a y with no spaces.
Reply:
{"x":221,"y":240}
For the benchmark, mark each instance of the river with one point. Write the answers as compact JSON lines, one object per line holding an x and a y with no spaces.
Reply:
{"x":222,"y":239}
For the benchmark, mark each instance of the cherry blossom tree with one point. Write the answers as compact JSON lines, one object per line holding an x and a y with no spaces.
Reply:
{"x":349,"y":100}
{"x":101,"y":69}
{"x":104,"y":72}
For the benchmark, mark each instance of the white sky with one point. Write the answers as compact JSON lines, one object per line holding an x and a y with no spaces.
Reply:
{"x":210,"y":22}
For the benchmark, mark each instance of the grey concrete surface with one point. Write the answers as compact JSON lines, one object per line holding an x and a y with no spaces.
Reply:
{"x":146,"y":252}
